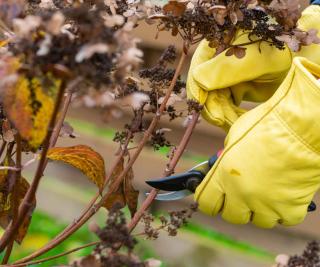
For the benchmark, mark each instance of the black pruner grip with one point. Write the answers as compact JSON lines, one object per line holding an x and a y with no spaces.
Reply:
{"x":193,"y":182}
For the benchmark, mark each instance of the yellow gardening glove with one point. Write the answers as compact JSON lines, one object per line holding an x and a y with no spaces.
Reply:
{"x":269,"y":170}
{"x":219,"y":108}
{"x":254,"y":77}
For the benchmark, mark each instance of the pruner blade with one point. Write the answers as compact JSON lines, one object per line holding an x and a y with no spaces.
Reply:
{"x":171,"y":196}
{"x":182,"y":184}
{"x":176,"y":182}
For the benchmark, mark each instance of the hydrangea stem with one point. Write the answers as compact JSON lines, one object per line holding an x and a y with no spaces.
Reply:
{"x":16,"y":182}
{"x":30,"y":195}
{"x":169,"y":170}
{"x":84,"y":217}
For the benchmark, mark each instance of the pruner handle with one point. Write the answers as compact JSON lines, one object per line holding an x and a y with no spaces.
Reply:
{"x":193,"y":182}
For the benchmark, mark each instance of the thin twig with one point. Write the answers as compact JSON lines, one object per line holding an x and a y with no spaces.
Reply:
{"x":30,"y":195}
{"x":169,"y":170}
{"x":86,"y":216}
{"x":8,"y":253}
{"x":55,"y":256}
{"x":16,"y":194}
{"x":89,"y":207}
{"x":108,"y":176}
{"x":62,"y":116}
{"x":53,"y":140}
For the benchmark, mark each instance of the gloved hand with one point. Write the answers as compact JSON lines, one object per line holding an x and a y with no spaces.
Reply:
{"x":269,"y":170}
{"x":254,"y":77}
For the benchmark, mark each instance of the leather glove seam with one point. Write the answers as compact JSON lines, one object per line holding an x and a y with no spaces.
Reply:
{"x":295,"y":134}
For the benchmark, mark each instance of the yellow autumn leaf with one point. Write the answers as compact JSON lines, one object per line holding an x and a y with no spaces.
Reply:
{"x":29,"y":103}
{"x":83,"y":158}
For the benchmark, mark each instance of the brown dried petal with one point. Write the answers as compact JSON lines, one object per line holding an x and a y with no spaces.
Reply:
{"x":175,"y":31}
{"x":118,"y":195}
{"x":230,"y":52}
{"x":130,"y":193}
{"x":293,"y":43}
{"x":240,"y":52}
{"x":175,"y":8}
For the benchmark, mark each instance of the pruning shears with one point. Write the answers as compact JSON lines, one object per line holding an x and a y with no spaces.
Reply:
{"x":184,"y":184}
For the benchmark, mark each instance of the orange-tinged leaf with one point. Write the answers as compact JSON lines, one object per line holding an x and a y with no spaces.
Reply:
{"x":23,"y":229}
{"x":29,"y":103}
{"x":131,"y":195}
{"x":118,"y":195}
{"x":125,"y":194}
{"x":83,"y":158}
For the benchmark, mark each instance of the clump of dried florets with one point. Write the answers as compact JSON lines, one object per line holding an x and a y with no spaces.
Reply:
{"x":309,"y":258}
{"x":148,"y":93}
{"x":80,"y":38}
{"x":170,"y":224}
{"x":160,"y":75}
{"x":115,"y":232}
{"x":194,"y":105}
{"x":113,"y":236}
{"x":220,"y":22}
{"x":46,"y":44}
{"x":132,"y":11}
{"x":159,"y":140}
